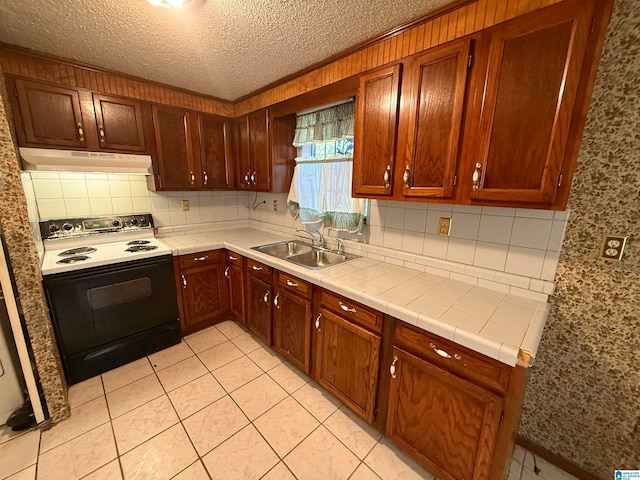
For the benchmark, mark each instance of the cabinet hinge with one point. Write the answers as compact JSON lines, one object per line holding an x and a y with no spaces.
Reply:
{"x":593,"y":25}
{"x":15,"y":92}
{"x":501,"y":417}
{"x":470,"y":63}
{"x":560,"y":180}
{"x":455,"y":180}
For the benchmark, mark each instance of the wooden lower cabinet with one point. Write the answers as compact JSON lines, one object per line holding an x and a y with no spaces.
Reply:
{"x":203,"y":294}
{"x":258,"y":307}
{"x":235,"y":278}
{"x":292,"y":328}
{"x":346,"y":361}
{"x":447,"y":423}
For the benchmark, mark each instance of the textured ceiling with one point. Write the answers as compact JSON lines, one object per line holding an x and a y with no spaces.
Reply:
{"x":224,"y":48}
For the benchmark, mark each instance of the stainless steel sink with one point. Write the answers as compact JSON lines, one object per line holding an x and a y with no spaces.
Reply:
{"x":319,"y":259}
{"x":304,"y":255}
{"x":284,"y":249}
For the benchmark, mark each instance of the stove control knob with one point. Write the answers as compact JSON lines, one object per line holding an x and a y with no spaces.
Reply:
{"x":67,"y":227}
{"x":134,"y":221}
{"x":143,"y":220}
{"x":116,"y":223}
{"x":54,"y":227}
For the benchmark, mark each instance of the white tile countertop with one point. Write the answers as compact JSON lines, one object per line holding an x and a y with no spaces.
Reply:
{"x":501,"y":326}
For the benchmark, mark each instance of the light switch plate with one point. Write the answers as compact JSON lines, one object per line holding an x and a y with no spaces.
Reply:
{"x":444,"y":226}
{"x":613,"y":247}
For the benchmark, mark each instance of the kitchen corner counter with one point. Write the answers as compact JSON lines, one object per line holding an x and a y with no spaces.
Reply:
{"x":504,"y":327}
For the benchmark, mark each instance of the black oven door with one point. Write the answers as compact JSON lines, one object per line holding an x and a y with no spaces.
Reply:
{"x":98,"y":311}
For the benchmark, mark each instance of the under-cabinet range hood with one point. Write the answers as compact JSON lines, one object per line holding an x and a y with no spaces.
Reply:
{"x":45,"y":159}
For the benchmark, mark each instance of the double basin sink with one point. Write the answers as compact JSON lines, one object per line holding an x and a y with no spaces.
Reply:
{"x":304,"y":255}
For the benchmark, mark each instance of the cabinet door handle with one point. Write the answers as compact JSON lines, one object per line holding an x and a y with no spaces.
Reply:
{"x":318,"y":321}
{"x":347,"y":308}
{"x":184,"y":282}
{"x":232,"y":258}
{"x":291,"y":284}
{"x":226,"y":272}
{"x":256,"y":268}
{"x":275,"y":301}
{"x":205,"y":178}
{"x":80,"y":132}
{"x":387,"y":176}
{"x":193,"y":178}
{"x":476,"y":176}
{"x":101,"y":133}
{"x":441,"y":352}
{"x":253,"y":178}
{"x":265,"y":297}
{"x":406,"y":176}
{"x":201,"y":259}
{"x":392,"y":368}
{"x":246,"y":178}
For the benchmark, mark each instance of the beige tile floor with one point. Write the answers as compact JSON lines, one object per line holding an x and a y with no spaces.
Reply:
{"x":217,"y":406}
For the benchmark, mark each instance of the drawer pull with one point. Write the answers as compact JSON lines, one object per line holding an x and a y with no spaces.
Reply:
{"x":318,"y":321}
{"x":276,"y":300}
{"x":256,"y":268}
{"x":184,"y":282}
{"x":442,"y":353}
{"x":226,"y":272}
{"x":232,"y":258}
{"x":346,"y":308}
{"x":206,"y":178}
{"x":265,"y":298}
{"x":201,"y":259}
{"x":392,"y":368}
{"x":291,"y":284}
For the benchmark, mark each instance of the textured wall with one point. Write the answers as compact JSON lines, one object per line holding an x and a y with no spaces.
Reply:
{"x":583,"y":398}
{"x":24,"y":261}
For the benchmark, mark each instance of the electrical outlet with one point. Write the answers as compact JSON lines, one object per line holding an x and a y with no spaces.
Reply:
{"x":275,"y":205}
{"x":613,"y":246}
{"x":444,"y":226}
{"x":185,"y":205}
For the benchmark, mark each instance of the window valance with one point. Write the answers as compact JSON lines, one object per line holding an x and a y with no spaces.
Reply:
{"x":324,"y":125}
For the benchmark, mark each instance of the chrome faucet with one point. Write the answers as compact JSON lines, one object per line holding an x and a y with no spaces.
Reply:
{"x":340,"y":250}
{"x":320,"y":239}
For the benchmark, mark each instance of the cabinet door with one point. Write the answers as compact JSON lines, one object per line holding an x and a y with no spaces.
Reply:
{"x":534,"y":67}
{"x":446,"y":423}
{"x":119,"y":123}
{"x":235,"y":278}
{"x":259,"y":150}
{"x":375,"y":132}
{"x":258,"y":318}
{"x":292,"y":328}
{"x":346,"y":362}
{"x":205,"y":295}
{"x":51,"y":116}
{"x":215,"y":167}
{"x":242,"y":167}
{"x":437,"y":83}
{"x":175,"y":167}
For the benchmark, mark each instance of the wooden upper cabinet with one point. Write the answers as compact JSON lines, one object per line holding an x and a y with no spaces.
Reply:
{"x":434,"y":85}
{"x":375,"y":132}
{"x":253,"y":159}
{"x":174,"y":149}
{"x":534,"y":67}
{"x":448,"y":424}
{"x":215,"y":166}
{"x":50,"y":116}
{"x":119,"y":123}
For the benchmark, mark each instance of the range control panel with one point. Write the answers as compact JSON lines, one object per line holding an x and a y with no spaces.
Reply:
{"x":76,"y":227}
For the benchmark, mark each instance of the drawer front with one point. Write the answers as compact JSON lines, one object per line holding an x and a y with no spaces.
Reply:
{"x":353,"y":311}
{"x":234,"y":258}
{"x":258,"y":269}
{"x":200,"y":259}
{"x":294,"y":285}
{"x":454,"y":358}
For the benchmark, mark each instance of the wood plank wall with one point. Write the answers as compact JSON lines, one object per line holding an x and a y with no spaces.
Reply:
{"x":466,"y":20}
{"x":20,"y":62}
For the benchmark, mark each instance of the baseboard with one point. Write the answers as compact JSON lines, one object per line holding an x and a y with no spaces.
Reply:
{"x":555,"y":459}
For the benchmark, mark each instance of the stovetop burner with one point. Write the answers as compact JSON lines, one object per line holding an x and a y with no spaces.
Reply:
{"x":76,"y":251}
{"x":141,"y":248}
{"x":139,"y":242}
{"x":74,"y":259}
